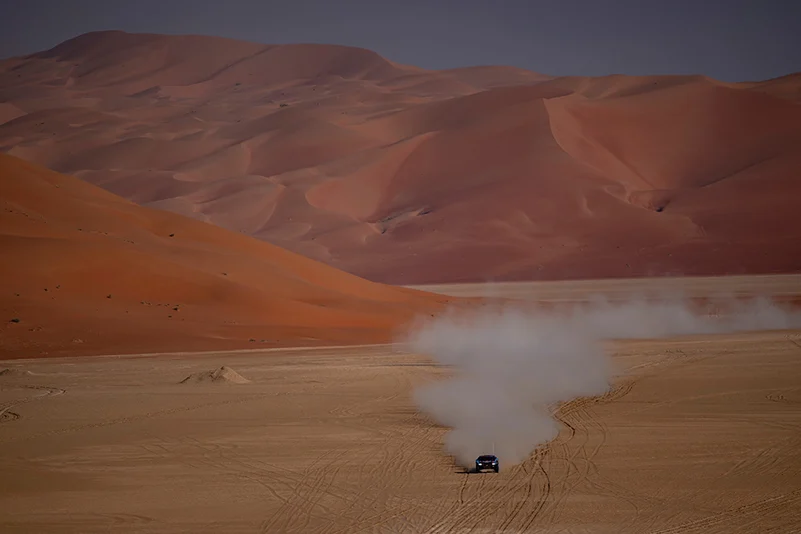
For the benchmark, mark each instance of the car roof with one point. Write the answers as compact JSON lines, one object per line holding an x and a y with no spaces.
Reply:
{"x":487,"y":457}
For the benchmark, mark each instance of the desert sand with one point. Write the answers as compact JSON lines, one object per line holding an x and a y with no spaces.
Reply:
{"x":698,"y":434}
{"x":195,"y":331}
{"x":408,"y":176}
{"x":87,"y":272}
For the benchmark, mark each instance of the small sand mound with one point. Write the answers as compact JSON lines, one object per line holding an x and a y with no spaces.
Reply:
{"x":14,"y":372}
{"x":223,"y":374}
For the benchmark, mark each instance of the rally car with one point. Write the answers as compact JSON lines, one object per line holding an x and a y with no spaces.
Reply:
{"x":487,"y":461}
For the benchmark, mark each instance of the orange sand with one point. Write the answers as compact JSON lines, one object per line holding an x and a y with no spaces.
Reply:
{"x":404,"y":175}
{"x":87,"y":272}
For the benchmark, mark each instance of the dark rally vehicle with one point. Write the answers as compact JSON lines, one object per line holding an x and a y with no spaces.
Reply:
{"x":487,"y":461}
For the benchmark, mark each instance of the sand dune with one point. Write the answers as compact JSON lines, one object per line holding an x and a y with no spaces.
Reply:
{"x":224,"y":375}
{"x":9,"y":112}
{"x":682,"y":137}
{"x":87,"y":272}
{"x":404,"y":175}
{"x":787,"y":87}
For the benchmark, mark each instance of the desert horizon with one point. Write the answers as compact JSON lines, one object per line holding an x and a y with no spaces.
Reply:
{"x":286,"y":286}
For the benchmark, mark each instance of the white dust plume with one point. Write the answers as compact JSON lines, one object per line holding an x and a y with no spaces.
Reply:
{"x":513,"y":364}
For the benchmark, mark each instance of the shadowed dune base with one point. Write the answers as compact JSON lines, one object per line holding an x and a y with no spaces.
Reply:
{"x":409,"y":176}
{"x":87,"y":272}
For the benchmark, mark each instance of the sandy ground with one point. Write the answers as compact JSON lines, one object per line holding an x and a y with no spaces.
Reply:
{"x":700,"y":434}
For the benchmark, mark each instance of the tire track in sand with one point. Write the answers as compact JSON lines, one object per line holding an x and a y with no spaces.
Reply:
{"x":738,"y":518}
{"x":570,"y":457}
{"x":6,"y":415}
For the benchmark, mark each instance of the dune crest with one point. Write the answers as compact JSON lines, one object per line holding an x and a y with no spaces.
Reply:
{"x":404,"y":175}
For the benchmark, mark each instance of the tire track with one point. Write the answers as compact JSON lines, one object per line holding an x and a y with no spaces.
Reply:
{"x":367,"y":506}
{"x":573,"y":451}
{"x":385,"y":497}
{"x":576,"y":418}
{"x":531,"y":493}
{"x":303,"y":491}
{"x":381,"y":455}
{"x":586,"y":419}
{"x":82,"y":522}
{"x":269,"y":476}
{"x":398,"y":453}
{"x":318,"y":479}
{"x":134,"y":418}
{"x":758,"y":509}
{"x":532,"y":476}
{"x":483,"y":505}
{"x":6,"y":415}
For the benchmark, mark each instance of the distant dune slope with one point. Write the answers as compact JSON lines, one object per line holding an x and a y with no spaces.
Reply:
{"x":404,"y":175}
{"x":85,"y":272}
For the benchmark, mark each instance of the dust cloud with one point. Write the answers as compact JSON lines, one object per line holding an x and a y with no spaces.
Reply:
{"x":514,"y":364}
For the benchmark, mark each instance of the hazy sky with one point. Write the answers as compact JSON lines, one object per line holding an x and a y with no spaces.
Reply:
{"x":731,"y":40}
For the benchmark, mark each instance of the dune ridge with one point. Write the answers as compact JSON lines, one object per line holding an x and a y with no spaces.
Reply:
{"x":409,"y":176}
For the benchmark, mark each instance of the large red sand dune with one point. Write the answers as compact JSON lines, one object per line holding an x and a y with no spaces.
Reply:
{"x":404,"y":175}
{"x":85,"y":272}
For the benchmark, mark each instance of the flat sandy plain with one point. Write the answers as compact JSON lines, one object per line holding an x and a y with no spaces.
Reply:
{"x":701,"y":434}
